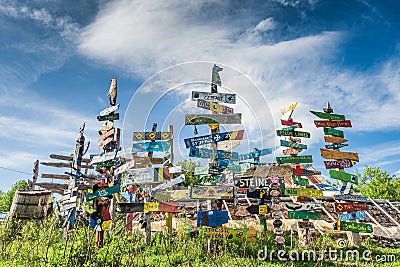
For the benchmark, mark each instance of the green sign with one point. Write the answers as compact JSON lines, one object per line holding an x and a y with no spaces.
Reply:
{"x":334,"y":132}
{"x":294,"y":159}
{"x":304,"y":215}
{"x":354,"y":227}
{"x":299,"y":180}
{"x":109,"y":117}
{"x":108,"y":191}
{"x":343,"y":176}
{"x":328,"y":116}
{"x":293,"y":133}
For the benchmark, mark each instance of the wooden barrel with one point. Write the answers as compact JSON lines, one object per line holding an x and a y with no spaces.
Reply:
{"x":30,"y":204}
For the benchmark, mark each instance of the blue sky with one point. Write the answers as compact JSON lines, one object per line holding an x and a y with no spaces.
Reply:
{"x":57,"y":59}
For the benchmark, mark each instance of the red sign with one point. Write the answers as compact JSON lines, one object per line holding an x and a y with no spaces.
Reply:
{"x":339,"y":164}
{"x":106,"y":134}
{"x":291,"y":123}
{"x":347,"y":207}
{"x":332,"y":124}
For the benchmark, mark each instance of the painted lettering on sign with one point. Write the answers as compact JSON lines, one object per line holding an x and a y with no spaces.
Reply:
{"x":303,"y":192}
{"x":215,"y":97}
{"x":212,"y":138}
{"x":347,"y":207}
{"x":339,"y":164}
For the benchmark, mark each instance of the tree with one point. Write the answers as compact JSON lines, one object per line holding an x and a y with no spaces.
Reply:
{"x":378,"y":183}
{"x":188,"y":167}
{"x":6,"y":199}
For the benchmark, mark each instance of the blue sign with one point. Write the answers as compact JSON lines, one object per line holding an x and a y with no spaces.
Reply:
{"x":254,"y":154}
{"x":352,"y":216}
{"x":155,"y":146}
{"x":212,"y":218}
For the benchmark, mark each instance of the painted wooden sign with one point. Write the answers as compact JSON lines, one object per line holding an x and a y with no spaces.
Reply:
{"x":55,"y":176}
{"x":239,"y":234}
{"x":334,"y":132}
{"x":334,"y":154}
{"x":291,"y":123}
{"x":289,"y":128}
{"x":57,"y":164}
{"x":212,"y":218}
{"x":109,"y":117}
{"x":354,"y":227}
{"x":212,"y":192}
{"x":304,"y":215}
{"x":254,"y":154}
{"x":172,"y":195}
{"x":352,"y":216}
{"x":251,"y":182}
{"x":305,"y":225}
{"x":197,"y":119}
{"x":292,"y":144}
{"x":348,"y":207}
{"x":106,"y":134}
{"x":214,"y":97}
{"x":105,"y":142}
{"x":356,"y":198}
{"x":107,"y":191}
{"x":215,"y":168}
{"x":300,"y":181}
{"x":332,"y":124}
{"x":303,"y":206}
{"x":107,"y":126}
{"x":141,"y":136}
{"x":272,"y":171}
{"x":293,"y":133}
{"x":69,"y":158}
{"x":148,"y":207}
{"x":303,"y":192}
{"x":109,"y":156}
{"x":334,"y":139}
{"x":173,"y":182}
{"x":144,"y":176}
{"x":258,"y":209}
{"x":108,"y":110}
{"x":141,"y":162}
{"x":155,"y":146}
{"x":339,"y":164}
{"x":291,"y":151}
{"x":131,"y":207}
{"x":213,"y":106}
{"x":328,"y":116}
{"x":228,"y":145}
{"x":294,"y":159}
{"x":212,"y":138}
{"x":158,"y":161}
{"x":335,"y":146}
{"x":208,"y":153}
{"x":343,"y":176}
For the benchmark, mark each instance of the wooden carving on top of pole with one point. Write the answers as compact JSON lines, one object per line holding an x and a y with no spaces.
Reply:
{"x":215,"y":78}
{"x":112,"y":92}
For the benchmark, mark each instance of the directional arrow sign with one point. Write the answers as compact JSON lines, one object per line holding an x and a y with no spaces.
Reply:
{"x":304,"y":215}
{"x":339,"y":164}
{"x":354,"y":227}
{"x":352,"y":216}
{"x":294,"y":159}
{"x":207,"y":139}
{"x":293,"y":133}
{"x":141,"y":136}
{"x":215,"y":97}
{"x":156,"y":146}
{"x":196,"y":119}
{"x":356,"y":198}
{"x":328,"y":116}
{"x":332,"y":124}
{"x":108,"y":110}
{"x":106,"y":134}
{"x":254,"y":154}
{"x":333,"y":154}
{"x":213,"y":106}
{"x":334,"y":132}
{"x":293,"y":144}
{"x":303,"y":192}
{"x":347,"y":207}
{"x":103,"y":192}
{"x":291,"y":123}
{"x":110,"y":117}
{"x":335,"y":146}
{"x":334,"y":139}
{"x":343,"y":176}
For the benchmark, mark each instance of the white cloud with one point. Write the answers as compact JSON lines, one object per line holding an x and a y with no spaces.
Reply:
{"x":382,"y":154}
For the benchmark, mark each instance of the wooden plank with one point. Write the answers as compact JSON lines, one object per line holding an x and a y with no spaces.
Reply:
{"x":352,"y":216}
{"x":339,"y":164}
{"x":328,"y":116}
{"x":255,"y":182}
{"x":255,"y":154}
{"x":354,"y":227}
{"x":214,"y":97}
{"x":155,"y":146}
{"x":212,"y":192}
{"x":106,"y":134}
{"x":357,"y":198}
{"x":292,"y":144}
{"x":212,"y":218}
{"x":107,"y":191}
{"x":141,"y":136}
{"x":109,"y":117}
{"x":215,"y":107}
{"x":197,"y":119}
{"x":334,"y":154}
{"x":334,"y":132}
{"x":55,"y":176}
{"x":108,"y":110}
{"x":332,"y":124}
{"x":107,"y":126}
{"x":172,"y":195}
{"x":146,"y":175}
{"x":293,"y":133}
{"x":280,"y":171}
{"x":258,"y":209}
{"x":69,"y":158}
{"x":303,"y":192}
{"x":57,"y":164}
{"x":131,"y":207}
{"x":291,"y":123}
{"x":291,"y":151}
{"x":157,"y":160}
{"x":52,"y":186}
{"x":348,"y":207}
{"x":104,"y":143}
{"x":335,"y":146}
{"x":304,"y":215}
{"x":228,"y":145}
{"x":303,"y":206}
{"x":343,"y":176}
{"x":173,"y":182}
{"x":212,"y":138}
{"x":289,"y":128}
{"x":294,"y":159}
{"x":208,"y":153}
{"x":334,"y":139}
{"x":142,"y":162}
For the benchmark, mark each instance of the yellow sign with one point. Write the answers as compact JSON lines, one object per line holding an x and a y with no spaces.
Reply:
{"x":290,"y":108}
{"x":263,"y":209}
{"x":151,"y":206}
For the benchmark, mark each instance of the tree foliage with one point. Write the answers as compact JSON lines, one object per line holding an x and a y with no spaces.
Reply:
{"x":188,"y":167}
{"x":7,"y":198}
{"x":378,"y":183}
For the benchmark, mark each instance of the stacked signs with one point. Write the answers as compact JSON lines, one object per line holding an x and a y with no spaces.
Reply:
{"x":337,"y":162}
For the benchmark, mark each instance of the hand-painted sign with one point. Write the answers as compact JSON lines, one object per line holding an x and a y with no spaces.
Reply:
{"x":291,"y":151}
{"x":212,"y":218}
{"x":107,"y":126}
{"x":252,"y":181}
{"x":339,"y":164}
{"x":212,"y":192}
{"x":303,"y":192}
{"x":292,"y":144}
{"x":228,"y":145}
{"x":174,"y":195}
{"x":148,"y":207}
{"x":289,"y":128}
{"x":334,"y":132}
{"x":305,"y":225}
{"x":272,"y":171}
{"x":304,"y":215}
{"x":55,"y":176}
{"x":215,"y":168}
{"x":173,"y":182}
{"x":294,"y":159}
{"x":343,"y":176}
{"x":334,"y":154}
{"x":332,"y":124}
{"x":300,"y":181}
{"x":293,"y":133}
{"x":291,"y":123}
{"x":352,"y":216}
{"x":303,"y":207}
{"x":141,"y":136}
{"x":242,"y":234}
{"x":328,"y":116}
{"x":215,"y":97}
{"x":107,"y":191}
{"x":131,"y":207}
{"x":145,"y":175}
{"x":106,"y":134}
{"x":208,"y":153}
{"x":108,"y":110}
{"x":109,"y":117}
{"x":258,"y":209}
{"x":196,"y":119}
{"x":105,"y":142}
{"x":347,"y":207}
{"x":254,"y":154}
{"x":208,"y":139}
{"x":213,"y":106}
{"x":354,"y":227}
{"x":334,"y":139}
{"x":357,"y":198}
{"x":155,"y":146}
{"x":335,"y":146}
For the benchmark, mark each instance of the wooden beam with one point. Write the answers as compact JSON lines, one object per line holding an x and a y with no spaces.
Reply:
{"x":384,"y":212}
{"x":61,"y":157}
{"x":55,"y":176}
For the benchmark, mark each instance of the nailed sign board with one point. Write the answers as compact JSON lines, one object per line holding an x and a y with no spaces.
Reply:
{"x":335,"y":146}
{"x":303,"y":192}
{"x":354,"y":227}
{"x":109,"y":117}
{"x":352,"y":216}
{"x":155,"y":146}
{"x":143,"y":176}
{"x":141,"y":136}
{"x":305,"y":225}
{"x":212,"y":192}
{"x":291,"y":151}
{"x":343,"y":176}
{"x":258,"y":209}
{"x":208,"y":153}
{"x":280,"y":171}
{"x":334,"y":132}
{"x":213,"y":106}
{"x":294,"y":159}
{"x":291,"y":123}
{"x":108,"y":110}
{"x":357,"y":198}
{"x":328,"y":116}
{"x":251,"y":182}
{"x":196,"y":119}
{"x":303,"y":206}
{"x":173,"y":195}
{"x":332,"y":124}
{"x":334,"y":139}
{"x":107,"y":191}
{"x":215,"y":97}
{"x":173,"y":182}
{"x":339,"y":164}
{"x":212,"y":218}
{"x":211,"y":138}
{"x":347,"y":207}
{"x":254,"y":154}
{"x":56,"y":176}
{"x":334,"y":154}
{"x":304,"y":215}
{"x":105,"y":142}
{"x":106,"y":134}
{"x":293,"y":133}
{"x":293,"y":144}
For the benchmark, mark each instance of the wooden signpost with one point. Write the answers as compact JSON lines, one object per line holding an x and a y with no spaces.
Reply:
{"x":212,"y":192}
{"x":293,"y":133}
{"x":208,"y":153}
{"x":212,"y":218}
{"x":328,"y":116}
{"x":348,"y":207}
{"x":356,"y":198}
{"x":213,"y":106}
{"x":212,"y":138}
{"x":304,"y":215}
{"x":339,"y":164}
{"x":293,"y":144}
{"x":343,"y":176}
{"x":354,"y":227}
{"x":197,"y":119}
{"x":106,"y":134}
{"x":335,"y":146}
{"x":141,"y":136}
{"x":291,"y":123}
{"x":107,"y":191}
{"x":69,"y":158}
{"x":333,"y":132}
{"x":333,"y":124}
{"x":334,"y":154}
{"x":294,"y":159}
{"x":155,"y":146}
{"x":55,"y":176}
{"x":214,"y":97}
{"x":334,"y":139}
{"x":254,"y":154}
{"x":108,"y":110}
{"x":303,"y":192}
{"x":352,"y":216}
{"x":303,"y":206}
{"x":258,"y":209}
{"x":107,"y":126}
{"x":110,"y":117}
